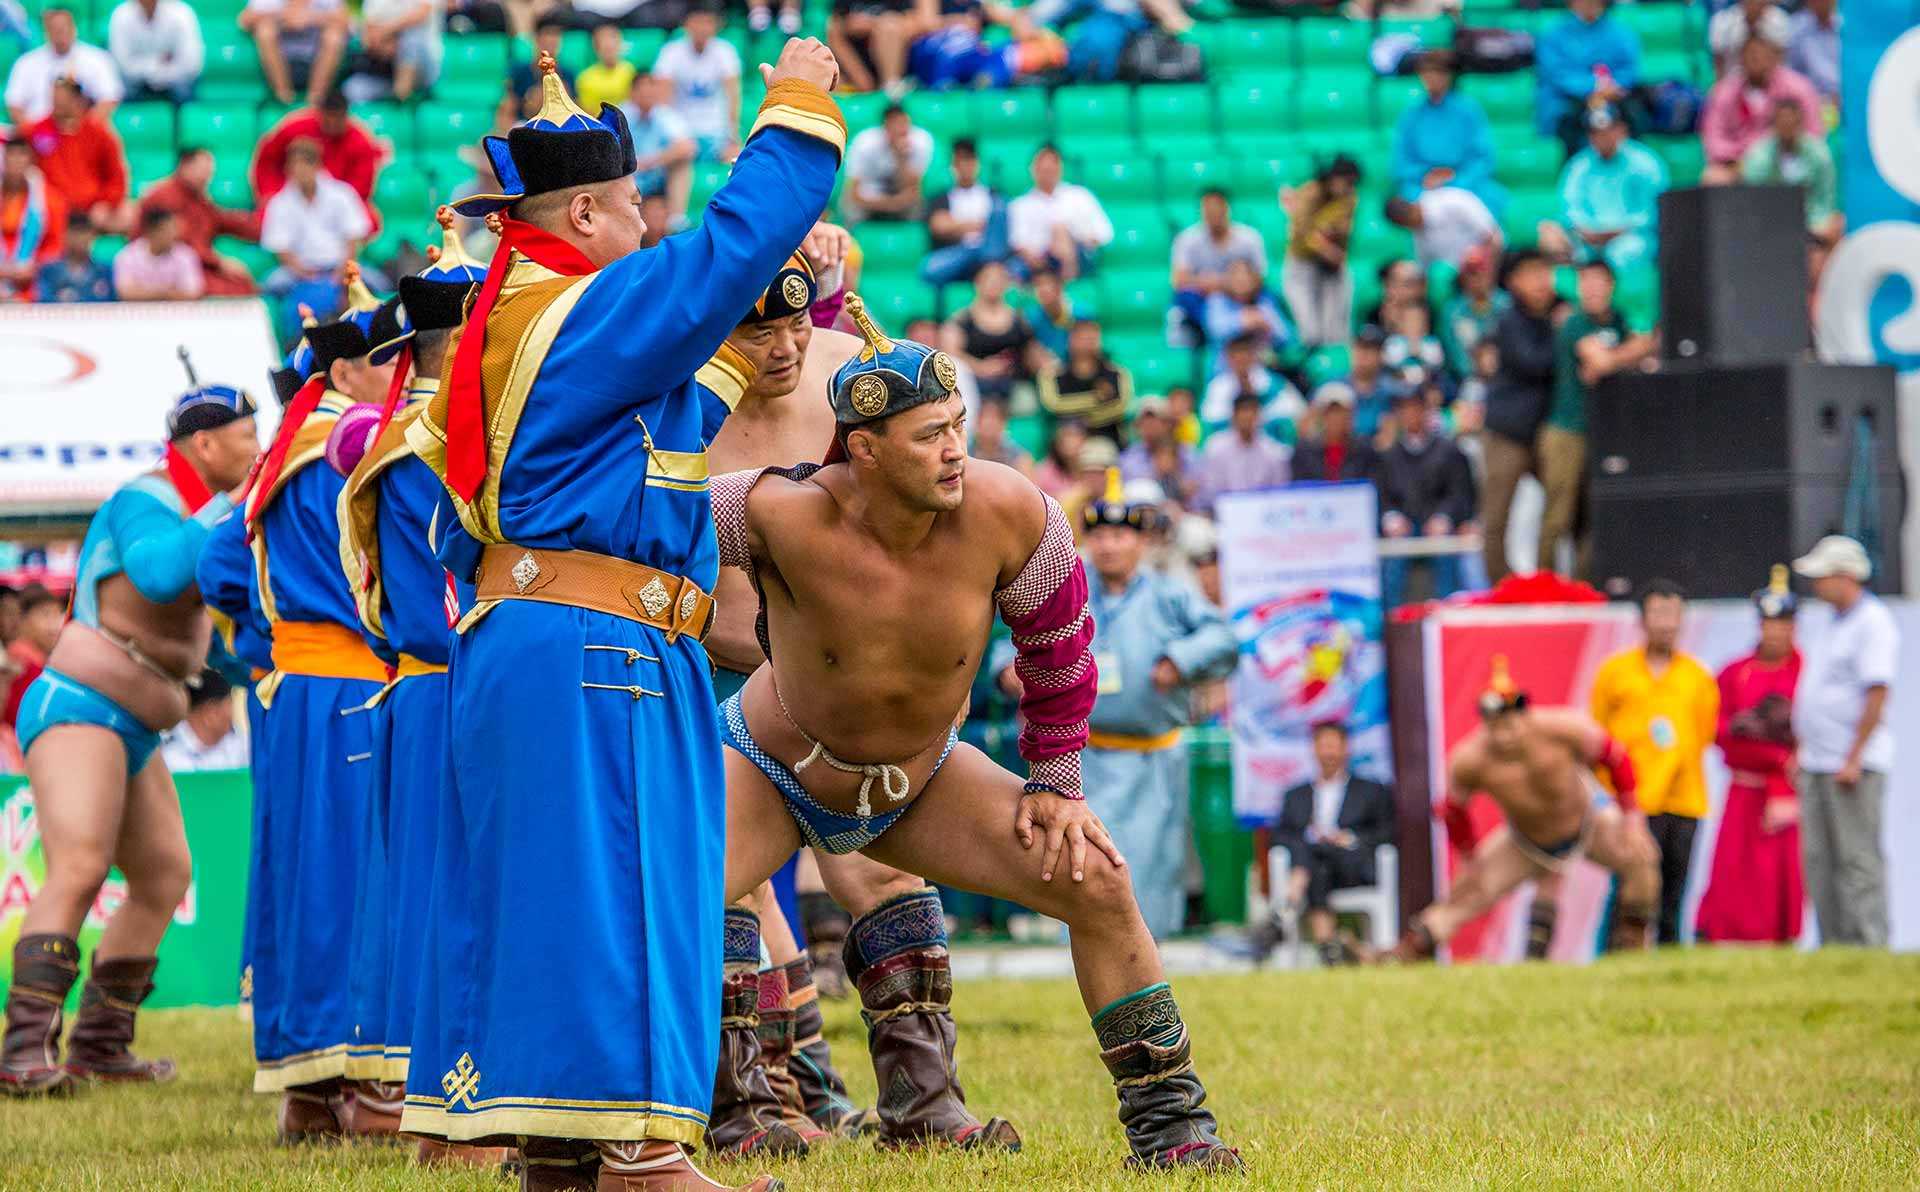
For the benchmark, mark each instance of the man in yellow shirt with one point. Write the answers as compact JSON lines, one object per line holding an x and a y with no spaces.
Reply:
{"x":1664,"y":706}
{"x":610,"y":77}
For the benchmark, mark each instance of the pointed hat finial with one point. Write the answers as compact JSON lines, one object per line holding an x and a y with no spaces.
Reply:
{"x":556,"y":106}
{"x":359,"y":297}
{"x":877,"y":342}
{"x":1116,"y":489}
{"x":450,"y":253}
{"x":1500,"y":678}
{"x":1778,"y":583}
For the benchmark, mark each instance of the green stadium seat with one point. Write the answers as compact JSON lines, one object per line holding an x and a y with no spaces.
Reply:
{"x":1174,"y":112}
{"x":1256,"y":104}
{"x":1525,"y":210}
{"x":1433,"y":32}
{"x":391,"y":121}
{"x":1261,"y":170}
{"x":1330,"y":102}
{"x":643,"y":46}
{"x":146,"y":168}
{"x":1375,"y":239}
{"x":231,"y":62}
{"x":446,"y":129}
{"x":708,"y":176}
{"x":1085,"y":296}
{"x":1508,"y":98}
{"x":898,"y":300}
{"x":1018,"y":112}
{"x":862,"y":111}
{"x":1141,"y":238}
{"x":1161,"y":368}
{"x":104,"y":248}
{"x":405,"y":197}
{"x":1098,"y":110}
{"x":1333,"y":41}
{"x":1327,"y":363}
{"x":1253,"y":45}
{"x":1391,"y":97}
{"x":945,"y":114}
{"x":1005,"y":163}
{"x":576,"y":51}
{"x":144,"y":125}
{"x":258,"y":261}
{"x":224,"y":128}
{"x":231,"y":190}
{"x":1135,"y":300}
{"x":1187,"y":174}
{"x":1528,"y":161}
{"x":1685,"y":158}
{"x":1660,"y":65}
{"x":1116,"y":178}
{"x":481,"y":56}
{"x":1660,"y":26}
{"x":890,"y":242}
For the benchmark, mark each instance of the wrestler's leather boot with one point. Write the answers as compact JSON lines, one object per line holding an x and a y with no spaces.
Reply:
{"x":371,"y":1108}
{"x":810,"y":1071}
{"x":102,"y":1039}
{"x":437,"y":1152}
{"x":1541,"y":917}
{"x":311,"y":1113}
{"x":659,"y":1166}
{"x":1632,"y":927}
{"x":44,"y":970}
{"x":776,"y":1032}
{"x":826,"y":926}
{"x":905,"y":1000}
{"x":1416,"y":944}
{"x":746,"y":1118}
{"x":559,"y":1164}
{"x":1144,"y":1045}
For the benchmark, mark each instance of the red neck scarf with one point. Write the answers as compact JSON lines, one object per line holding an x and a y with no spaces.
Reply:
{"x":466,"y":433}
{"x":268,"y":471}
{"x":402,"y":369}
{"x":193,"y":490}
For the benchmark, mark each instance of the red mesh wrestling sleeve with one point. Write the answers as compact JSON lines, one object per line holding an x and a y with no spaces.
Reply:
{"x":729,"y":496}
{"x":1046,"y":607}
{"x":1458,"y":823}
{"x":1613,"y":756}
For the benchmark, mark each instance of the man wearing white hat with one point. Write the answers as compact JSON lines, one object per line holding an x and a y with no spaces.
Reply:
{"x":1846,"y":745}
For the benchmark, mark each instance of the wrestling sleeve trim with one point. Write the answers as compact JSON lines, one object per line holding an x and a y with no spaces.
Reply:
{"x":729,"y":496}
{"x":1458,"y":823}
{"x":1046,"y":607}
{"x":1619,"y":765}
{"x":802,"y":108}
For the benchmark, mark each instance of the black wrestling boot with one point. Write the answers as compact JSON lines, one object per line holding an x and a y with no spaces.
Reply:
{"x":44,"y":970}
{"x":1541,"y":918}
{"x":897,"y":956}
{"x":1144,"y":1045}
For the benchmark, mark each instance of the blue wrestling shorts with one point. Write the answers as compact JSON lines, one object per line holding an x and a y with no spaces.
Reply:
{"x":53,"y":699}
{"x":823,"y":827}
{"x":727,"y":684}
{"x":1563,"y":851}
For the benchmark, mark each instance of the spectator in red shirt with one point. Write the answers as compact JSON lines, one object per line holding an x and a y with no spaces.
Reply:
{"x":348,"y":151}
{"x":184,"y":193}
{"x":82,"y":160}
{"x":33,"y":221}
{"x":1739,"y":109}
{"x":41,"y":614}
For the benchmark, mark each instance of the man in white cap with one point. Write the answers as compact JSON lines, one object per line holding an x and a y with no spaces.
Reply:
{"x":1846,"y":745}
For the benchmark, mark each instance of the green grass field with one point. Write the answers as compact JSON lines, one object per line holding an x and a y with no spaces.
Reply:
{"x":1698,"y":1069}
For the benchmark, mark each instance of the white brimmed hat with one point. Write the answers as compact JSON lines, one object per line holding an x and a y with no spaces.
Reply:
{"x":1835,"y":554}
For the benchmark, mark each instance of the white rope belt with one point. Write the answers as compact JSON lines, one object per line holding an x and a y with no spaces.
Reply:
{"x":893,"y":780}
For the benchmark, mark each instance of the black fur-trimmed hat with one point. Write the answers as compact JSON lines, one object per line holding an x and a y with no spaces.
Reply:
{"x":560,"y":147}
{"x":434,"y":299}
{"x":792,"y":291}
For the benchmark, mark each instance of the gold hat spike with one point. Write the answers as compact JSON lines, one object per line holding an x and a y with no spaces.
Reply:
{"x":1778,"y":583}
{"x":359,"y":297}
{"x":556,"y":106}
{"x":877,"y":342}
{"x":1116,"y":491}
{"x":1500,"y":679}
{"x":450,"y":253}
{"x":307,"y":317}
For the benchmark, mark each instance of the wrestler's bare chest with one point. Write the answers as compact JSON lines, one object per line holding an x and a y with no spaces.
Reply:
{"x":1541,"y":790}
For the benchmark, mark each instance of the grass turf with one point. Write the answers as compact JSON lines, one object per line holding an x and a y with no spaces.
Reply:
{"x":1737,"y":1069}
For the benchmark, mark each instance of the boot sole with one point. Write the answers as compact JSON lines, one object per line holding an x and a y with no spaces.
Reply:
{"x":98,"y":1076}
{"x":996,"y":1134}
{"x":59,"y":1085}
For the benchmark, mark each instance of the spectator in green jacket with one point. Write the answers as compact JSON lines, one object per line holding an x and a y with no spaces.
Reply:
{"x":1786,"y":154}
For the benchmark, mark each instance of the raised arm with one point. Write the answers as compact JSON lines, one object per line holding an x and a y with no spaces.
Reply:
{"x":1045,"y":605}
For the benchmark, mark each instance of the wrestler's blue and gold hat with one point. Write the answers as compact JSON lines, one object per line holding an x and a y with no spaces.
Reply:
{"x":1776,"y":600}
{"x":1502,"y":694}
{"x":560,"y":147}
{"x":887,"y":375}
{"x":792,"y":291}
{"x":207,"y":407}
{"x":347,"y":337}
{"x":1112,"y":508}
{"x":434,"y":299}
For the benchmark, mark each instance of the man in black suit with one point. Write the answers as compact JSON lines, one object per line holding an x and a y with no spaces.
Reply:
{"x":1330,"y":828}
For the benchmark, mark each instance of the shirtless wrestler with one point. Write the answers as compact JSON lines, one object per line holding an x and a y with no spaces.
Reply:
{"x":90,"y":727}
{"x":783,"y":416}
{"x":1537,"y":764}
{"x":879,"y":583}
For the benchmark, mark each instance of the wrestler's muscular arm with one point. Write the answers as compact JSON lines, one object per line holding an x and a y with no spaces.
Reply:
{"x":1463,"y":779}
{"x":1592,"y":746}
{"x":1041,"y":593}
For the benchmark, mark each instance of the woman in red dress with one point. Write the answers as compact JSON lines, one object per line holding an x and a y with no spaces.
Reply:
{"x":1754,"y":894}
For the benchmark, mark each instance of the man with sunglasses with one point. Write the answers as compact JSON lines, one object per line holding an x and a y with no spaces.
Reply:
{"x":1538,"y":764}
{"x":118,"y":675}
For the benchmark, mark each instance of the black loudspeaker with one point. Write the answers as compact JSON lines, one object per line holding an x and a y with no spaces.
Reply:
{"x":1708,"y":476}
{"x":1733,"y":274}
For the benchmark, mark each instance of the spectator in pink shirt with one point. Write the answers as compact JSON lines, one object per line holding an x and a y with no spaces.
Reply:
{"x":1739,"y":109}
{"x":159,"y":266}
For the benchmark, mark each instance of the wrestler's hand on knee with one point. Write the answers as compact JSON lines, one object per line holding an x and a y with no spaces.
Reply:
{"x":1068,"y":824}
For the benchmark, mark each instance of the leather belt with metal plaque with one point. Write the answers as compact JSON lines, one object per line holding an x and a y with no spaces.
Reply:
{"x":673,"y":604}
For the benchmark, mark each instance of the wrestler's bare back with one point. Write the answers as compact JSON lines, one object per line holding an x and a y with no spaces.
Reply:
{"x":874,"y":650}
{"x":1542,"y":784}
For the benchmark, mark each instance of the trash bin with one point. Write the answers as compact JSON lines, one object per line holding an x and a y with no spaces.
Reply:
{"x":1225,"y":848}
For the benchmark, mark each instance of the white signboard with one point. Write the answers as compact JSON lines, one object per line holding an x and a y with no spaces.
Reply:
{"x":85,"y":388}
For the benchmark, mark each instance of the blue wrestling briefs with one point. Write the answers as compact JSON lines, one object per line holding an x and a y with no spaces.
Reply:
{"x":823,"y":827}
{"x":53,"y":699}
